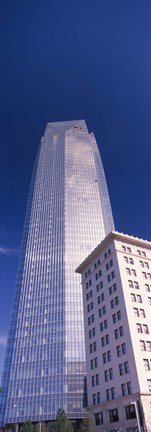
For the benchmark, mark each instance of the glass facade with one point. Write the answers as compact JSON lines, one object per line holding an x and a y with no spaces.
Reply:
{"x":68,"y":212}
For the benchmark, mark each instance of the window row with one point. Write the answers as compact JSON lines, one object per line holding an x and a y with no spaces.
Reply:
{"x":102,"y":311}
{"x":99,"y":274}
{"x":146,"y":275}
{"x":89,"y":283}
{"x":111,"y":276}
{"x":91,"y":319}
{"x":92,"y":333}
{"x":121,"y":349}
{"x":145,"y":345}
{"x":128,"y":260}
{"x":147,"y":364}
{"x":87,"y":273}
{"x":99,"y":286}
{"x":144,"y":264}
{"x":95,"y":380}
{"x":108,"y":374}
{"x":113,"y":415}
{"x":103,"y":325}
{"x":131,"y":271}
{"x":96,"y":264}
{"x":107,"y":253}
{"x":94,"y":363}
{"x":142,"y":328}
{"x":112,"y":289}
{"x":93,"y":347}
{"x":89,"y":295}
{"x":136,"y":298}
{"x":139,"y":313}
{"x":124,"y":368}
{"x":101,"y":298}
{"x":105,"y":340}
{"x":119,"y":332}
{"x":107,"y":357}
{"x":116,"y":316}
{"x":133,"y":284}
{"x":114,"y":302}
{"x":90,"y":307}
{"x":109,"y":264}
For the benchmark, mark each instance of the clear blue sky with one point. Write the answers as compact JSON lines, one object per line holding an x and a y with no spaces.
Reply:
{"x":66,"y":60}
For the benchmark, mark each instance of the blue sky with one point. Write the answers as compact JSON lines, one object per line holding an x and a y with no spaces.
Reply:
{"x":66,"y":60}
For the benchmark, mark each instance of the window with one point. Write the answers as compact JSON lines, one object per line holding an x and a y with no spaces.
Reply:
{"x":109,"y":355}
{"x":105,"y":255}
{"x":116,"y":334}
{"x":139,"y":298}
{"x":139,"y":328}
{"x":133,"y":272}
{"x":130,"y":412}
{"x":124,"y":248}
{"x":129,"y":387}
{"x":136,"y":312}
{"x":119,"y":315}
{"x":113,"y":274}
{"x":116,"y":301}
{"x":114,"y":287}
{"x":100,"y":273}
{"x":99,"y":418}
{"x":99,"y":262}
{"x":94,"y":399}
{"x":107,"y":266}
{"x":124,"y":391}
{"x":126,"y":259}
{"x":126,"y":367}
{"x":142,"y":313}
{"x":86,"y":274}
{"x":147,"y":287}
{"x":106,"y":375}
{"x":144,"y":253}
{"x":113,"y":415}
{"x":121,"y":331}
{"x":123,"y":348}
{"x":121,"y":369}
{"x":96,"y":276}
{"x":149,"y":300}
{"x":109,"y":252}
{"x":110,"y":290}
{"x":98,"y":397}
{"x":145,"y":328}
{"x":142,"y":345}
{"x":108,"y":397}
{"x":136,"y":285}
{"x":112,"y":304}
{"x":126,"y":388}
{"x":146,"y":364}
{"x":118,"y":349}
{"x":114,"y":318}
{"x":148,"y":345}
{"x":113,"y":392}
{"x":109,"y":278}
{"x":129,"y":249}
{"x":149,"y":384}
{"x":144,"y":275}
{"x":96,"y":362}
{"x":146,"y":264}
{"x":128,"y":270}
{"x":131,"y":260}
{"x":133,"y":297}
{"x":130,"y":283}
{"x":93,"y":380}
{"x":95,"y":265}
{"x":90,"y":282}
{"x":111,"y":263}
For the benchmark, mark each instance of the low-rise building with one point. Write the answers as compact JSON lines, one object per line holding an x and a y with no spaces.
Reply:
{"x":116,"y":281}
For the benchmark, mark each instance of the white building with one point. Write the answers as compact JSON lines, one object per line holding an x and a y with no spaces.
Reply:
{"x":116,"y":281}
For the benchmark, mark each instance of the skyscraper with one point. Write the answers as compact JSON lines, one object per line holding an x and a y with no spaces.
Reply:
{"x":68,"y":212}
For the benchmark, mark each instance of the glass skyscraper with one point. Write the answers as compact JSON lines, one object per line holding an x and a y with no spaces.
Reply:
{"x":68,"y":212}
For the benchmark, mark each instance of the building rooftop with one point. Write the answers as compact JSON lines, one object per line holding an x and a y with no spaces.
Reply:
{"x":113,"y":235}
